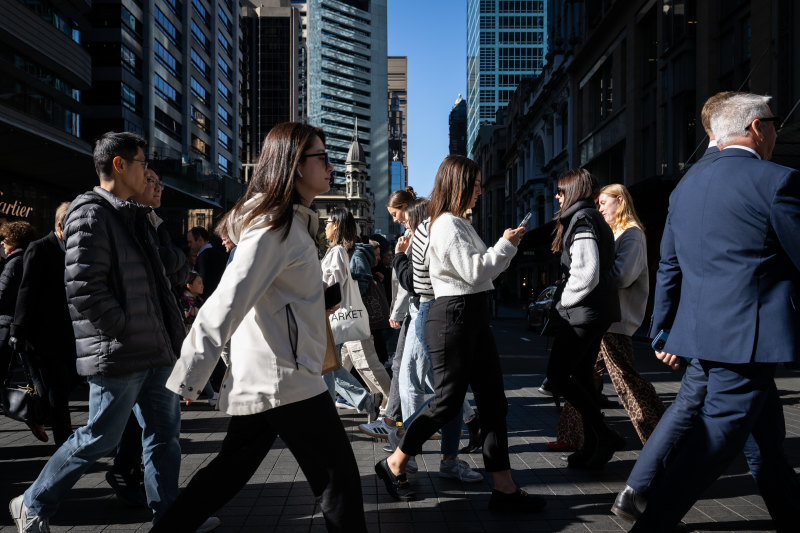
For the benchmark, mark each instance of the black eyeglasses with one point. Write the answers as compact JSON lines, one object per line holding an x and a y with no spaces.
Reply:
{"x":145,"y":162}
{"x":155,"y":183}
{"x":765,"y":119}
{"x":318,"y":154}
{"x":559,"y":192}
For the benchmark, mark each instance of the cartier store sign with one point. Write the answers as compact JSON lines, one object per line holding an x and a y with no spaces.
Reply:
{"x":14,"y":208}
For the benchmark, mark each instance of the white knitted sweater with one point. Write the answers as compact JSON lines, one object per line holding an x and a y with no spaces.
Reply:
{"x":460,"y":262}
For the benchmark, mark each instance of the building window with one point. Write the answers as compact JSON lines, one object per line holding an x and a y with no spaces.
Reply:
{"x":223,"y":164}
{"x":224,"y":140}
{"x":226,"y":22}
{"x":130,"y":98}
{"x":525,"y":59}
{"x":224,"y":68}
{"x":199,"y":36}
{"x":166,"y":59}
{"x":487,"y":22}
{"x":487,"y":59}
{"x":164,"y":23}
{"x":521,"y":22}
{"x":200,"y":9}
{"x":224,"y":92}
{"x":199,"y":91}
{"x":199,"y":118}
{"x":223,"y":115}
{"x":167,"y":124}
{"x":130,"y":62}
{"x":173,"y":6}
{"x":487,"y":37}
{"x":224,"y":44}
{"x":166,"y":91}
{"x":199,"y":146}
{"x":486,"y":96}
{"x":130,"y":22}
{"x":199,"y":64}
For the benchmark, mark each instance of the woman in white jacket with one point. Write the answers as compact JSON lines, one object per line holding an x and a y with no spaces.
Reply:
{"x":270,"y":305}
{"x":460,"y":341}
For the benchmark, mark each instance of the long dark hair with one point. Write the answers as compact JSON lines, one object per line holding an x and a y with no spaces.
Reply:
{"x":453,"y":188}
{"x":276,"y":172}
{"x":576,"y":185}
{"x":346,"y":232}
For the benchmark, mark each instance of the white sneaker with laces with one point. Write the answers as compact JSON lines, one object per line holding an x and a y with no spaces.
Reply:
{"x":211,"y":523}
{"x":25,"y":523}
{"x":460,"y":470}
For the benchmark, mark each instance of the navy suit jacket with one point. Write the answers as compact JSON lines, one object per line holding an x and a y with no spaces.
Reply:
{"x":728,"y":276}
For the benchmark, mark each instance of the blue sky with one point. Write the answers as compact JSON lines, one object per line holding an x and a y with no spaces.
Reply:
{"x":433,"y":35}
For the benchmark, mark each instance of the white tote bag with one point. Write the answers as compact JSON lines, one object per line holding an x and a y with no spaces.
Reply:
{"x":350,"y":322}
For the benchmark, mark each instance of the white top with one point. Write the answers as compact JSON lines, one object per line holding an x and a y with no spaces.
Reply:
{"x":460,"y":262}
{"x":270,"y":306}
{"x":584,"y":269}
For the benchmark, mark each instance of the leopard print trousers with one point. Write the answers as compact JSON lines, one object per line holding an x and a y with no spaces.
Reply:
{"x":637,"y":395}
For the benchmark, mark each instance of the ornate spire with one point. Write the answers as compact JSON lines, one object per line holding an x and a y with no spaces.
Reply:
{"x":356,"y":152}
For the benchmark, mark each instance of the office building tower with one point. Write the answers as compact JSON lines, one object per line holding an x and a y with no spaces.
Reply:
{"x":45,"y":157}
{"x":506,"y":42}
{"x":272,"y":51}
{"x":170,"y":70}
{"x":458,"y":127}
{"x":346,"y":78}
{"x":398,"y":117}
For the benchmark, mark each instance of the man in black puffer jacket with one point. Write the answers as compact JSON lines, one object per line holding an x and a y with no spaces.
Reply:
{"x":128,"y":330}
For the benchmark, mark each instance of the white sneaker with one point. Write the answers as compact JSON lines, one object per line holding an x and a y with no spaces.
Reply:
{"x":460,"y":470}
{"x":212,"y":402}
{"x":378,"y":429}
{"x":411,"y":466}
{"x":24,"y":523}
{"x":211,"y":523}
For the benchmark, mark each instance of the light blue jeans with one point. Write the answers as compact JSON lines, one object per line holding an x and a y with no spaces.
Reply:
{"x":348,"y":387}
{"x":111,"y":399}
{"x":416,"y":373}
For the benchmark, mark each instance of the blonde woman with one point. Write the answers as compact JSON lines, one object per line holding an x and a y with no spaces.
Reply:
{"x":630,"y":276}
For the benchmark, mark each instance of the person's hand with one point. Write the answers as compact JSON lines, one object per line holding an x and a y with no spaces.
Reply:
{"x":673,"y":361}
{"x":378,"y":276}
{"x":514,"y":235}
{"x":402,"y":244}
{"x":395,"y":324}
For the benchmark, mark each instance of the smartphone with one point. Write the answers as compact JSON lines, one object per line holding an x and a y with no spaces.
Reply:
{"x":660,"y":341}
{"x":333,"y":295}
{"x":525,"y":220}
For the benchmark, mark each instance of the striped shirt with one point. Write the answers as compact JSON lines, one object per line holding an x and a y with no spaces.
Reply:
{"x":420,"y":260}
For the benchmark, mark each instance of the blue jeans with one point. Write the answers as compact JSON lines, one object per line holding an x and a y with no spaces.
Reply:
{"x":348,"y":387}
{"x":416,"y":372}
{"x":111,"y":399}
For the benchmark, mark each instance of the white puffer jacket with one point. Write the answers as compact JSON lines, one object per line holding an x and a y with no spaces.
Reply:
{"x":270,"y":304}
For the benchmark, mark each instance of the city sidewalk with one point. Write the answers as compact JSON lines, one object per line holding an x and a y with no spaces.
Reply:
{"x":278,"y":499}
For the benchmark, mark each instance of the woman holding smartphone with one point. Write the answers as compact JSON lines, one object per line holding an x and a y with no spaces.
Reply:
{"x":269,"y":304}
{"x":460,"y":341}
{"x":586,"y":305}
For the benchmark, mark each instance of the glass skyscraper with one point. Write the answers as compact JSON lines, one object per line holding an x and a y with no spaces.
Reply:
{"x":506,"y":41}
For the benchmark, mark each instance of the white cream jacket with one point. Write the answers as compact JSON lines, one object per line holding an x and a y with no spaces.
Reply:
{"x":270,"y":305}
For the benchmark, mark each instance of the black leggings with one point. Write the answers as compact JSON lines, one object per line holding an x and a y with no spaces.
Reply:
{"x":331,"y":468}
{"x":463,"y":354}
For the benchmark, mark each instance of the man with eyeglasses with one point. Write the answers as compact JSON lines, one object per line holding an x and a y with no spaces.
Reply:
{"x":128,"y":331}
{"x":126,"y":476}
{"x":726,"y":293}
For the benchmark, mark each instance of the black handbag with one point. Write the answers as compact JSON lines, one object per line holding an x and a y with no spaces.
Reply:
{"x":23,"y":403}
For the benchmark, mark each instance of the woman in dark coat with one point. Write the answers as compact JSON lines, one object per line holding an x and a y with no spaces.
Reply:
{"x":15,"y":237}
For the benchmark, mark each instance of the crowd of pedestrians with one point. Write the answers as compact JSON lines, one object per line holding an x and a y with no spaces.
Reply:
{"x":147,"y":323}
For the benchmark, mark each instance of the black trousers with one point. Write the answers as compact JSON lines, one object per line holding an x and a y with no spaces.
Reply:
{"x":463,"y":354}
{"x":569,"y":370}
{"x":330,"y":468}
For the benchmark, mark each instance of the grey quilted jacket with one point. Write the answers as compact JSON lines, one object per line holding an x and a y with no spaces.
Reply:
{"x":124,"y":315}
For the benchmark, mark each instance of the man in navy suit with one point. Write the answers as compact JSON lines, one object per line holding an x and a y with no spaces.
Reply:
{"x":726,"y":292}
{"x":677,"y":420}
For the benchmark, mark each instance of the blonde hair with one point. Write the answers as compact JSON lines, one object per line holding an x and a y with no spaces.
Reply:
{"x":626,"y":216}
